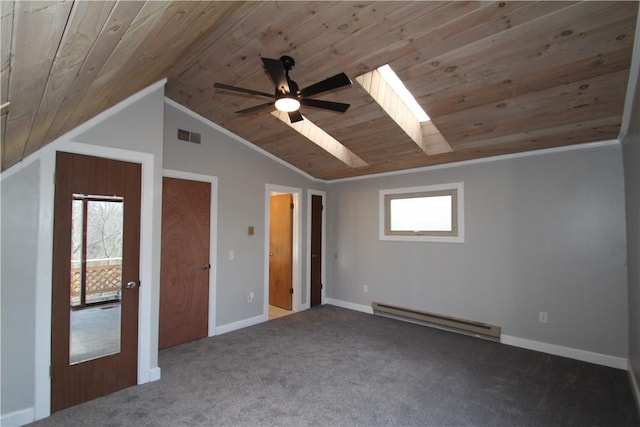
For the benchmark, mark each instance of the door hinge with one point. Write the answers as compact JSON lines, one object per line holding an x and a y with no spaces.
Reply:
{"x":291,"y":291}
{"x":321,"y":285}
{"x":291,"y":206}
{"x":50,"y":371}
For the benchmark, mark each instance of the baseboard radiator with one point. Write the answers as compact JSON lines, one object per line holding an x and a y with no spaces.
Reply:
{"x":468,"y":327}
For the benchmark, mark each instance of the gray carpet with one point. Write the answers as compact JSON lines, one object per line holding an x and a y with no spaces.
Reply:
{"x":334,"y":367}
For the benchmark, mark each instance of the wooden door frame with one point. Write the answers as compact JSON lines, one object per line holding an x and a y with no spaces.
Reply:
{"x":323,"y":195}
{"x":213,"y":234}
{"x":296,"y":281}
{"x":44,"y":267}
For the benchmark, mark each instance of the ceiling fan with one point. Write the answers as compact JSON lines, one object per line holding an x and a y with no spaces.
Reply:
{"x":287,"y":96}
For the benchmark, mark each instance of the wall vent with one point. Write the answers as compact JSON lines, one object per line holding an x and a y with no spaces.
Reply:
{"x":467,"y":327}
{"x":185,"y":135}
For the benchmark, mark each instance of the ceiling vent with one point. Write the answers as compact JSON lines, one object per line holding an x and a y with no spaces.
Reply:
{"x":185,"y":135}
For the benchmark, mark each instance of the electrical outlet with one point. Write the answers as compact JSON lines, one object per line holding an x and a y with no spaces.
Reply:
{"x":250,"y":296}
{"x":365,"y":289}
{"x":543,"y":317}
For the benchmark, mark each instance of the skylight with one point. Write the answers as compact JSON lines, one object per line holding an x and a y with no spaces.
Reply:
{"x":401,"y":90}
{"x":313,"y":133}
{"x":384,"y":86}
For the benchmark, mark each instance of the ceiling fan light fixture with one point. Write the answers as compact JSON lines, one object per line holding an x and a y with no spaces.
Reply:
{"x":287,"y":97}
{"x":287,"y":104}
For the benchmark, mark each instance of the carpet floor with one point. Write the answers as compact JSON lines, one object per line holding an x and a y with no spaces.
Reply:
{"x":330,"y":366}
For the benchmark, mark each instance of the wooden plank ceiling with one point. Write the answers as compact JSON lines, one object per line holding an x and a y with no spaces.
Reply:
{"x":495,"y":77}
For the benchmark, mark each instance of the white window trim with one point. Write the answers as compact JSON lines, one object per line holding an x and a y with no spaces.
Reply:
{"x":459,"y":186}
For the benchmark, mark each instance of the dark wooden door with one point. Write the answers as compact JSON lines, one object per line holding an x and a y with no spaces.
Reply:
{"x":316,"y":250}
{"x":280,"y":250}
{"x":79,"y":179}
{"x":184,"y":271}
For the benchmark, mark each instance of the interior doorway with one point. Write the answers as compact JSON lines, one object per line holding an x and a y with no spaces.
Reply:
{"x":282,"y":251}
{"x":317,"y":244}
{"x":96,"y":270}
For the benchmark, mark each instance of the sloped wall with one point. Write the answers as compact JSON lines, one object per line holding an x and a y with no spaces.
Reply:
{"x":631,"y":156}
{"x":19,"y":240}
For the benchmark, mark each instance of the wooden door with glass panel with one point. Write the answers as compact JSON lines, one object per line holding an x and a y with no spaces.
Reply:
{"x":95,"y":278}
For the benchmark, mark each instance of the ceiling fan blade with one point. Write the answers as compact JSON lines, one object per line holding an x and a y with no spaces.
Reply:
{"x":242,"y":90}
{"x":277,"y":73}
{"x":334,"y":82}
{"x":255,"y":108}
{"x":295,"y":116}
{"x":327,"y":105}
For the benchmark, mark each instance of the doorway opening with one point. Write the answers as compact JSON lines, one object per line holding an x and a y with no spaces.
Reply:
{"x":275,"y":312}
{"x":316,"y":244}
{"x":282,"y":290}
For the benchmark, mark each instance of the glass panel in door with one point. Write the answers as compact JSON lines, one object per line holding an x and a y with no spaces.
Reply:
{"x":96,"y":276}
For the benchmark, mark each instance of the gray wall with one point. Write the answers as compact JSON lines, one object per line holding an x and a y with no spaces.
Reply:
{"x":19,"y":240}
{"x":543,"y":233}
{"x":242,"y":174}
{"x":631,"y":156}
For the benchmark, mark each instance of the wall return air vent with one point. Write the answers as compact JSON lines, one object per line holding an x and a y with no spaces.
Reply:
{"x":187,"y":136}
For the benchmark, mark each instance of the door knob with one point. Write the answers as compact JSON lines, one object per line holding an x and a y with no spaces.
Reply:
{"x":206,"y":266}
{"x":132,"y":284}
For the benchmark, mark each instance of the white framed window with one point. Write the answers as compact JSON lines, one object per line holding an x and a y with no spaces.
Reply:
{"x":431,"y":213}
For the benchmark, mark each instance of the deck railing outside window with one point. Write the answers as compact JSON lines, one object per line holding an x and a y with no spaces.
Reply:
{"x":103,"y":280}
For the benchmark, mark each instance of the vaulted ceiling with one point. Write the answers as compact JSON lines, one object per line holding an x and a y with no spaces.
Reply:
{"x":495,"y":77}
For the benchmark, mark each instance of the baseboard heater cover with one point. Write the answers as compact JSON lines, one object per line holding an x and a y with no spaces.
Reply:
{"x":468,"y":327}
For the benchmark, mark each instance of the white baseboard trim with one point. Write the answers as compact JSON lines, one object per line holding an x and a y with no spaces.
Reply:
{"x":558,"y":350}
{"x":154,"y":374}
{"x":350,"y":305}
{"x":18,"y":418}
{"x":572,"y":353}
{"x":634,"y":385}
{"x":240,"y":324}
